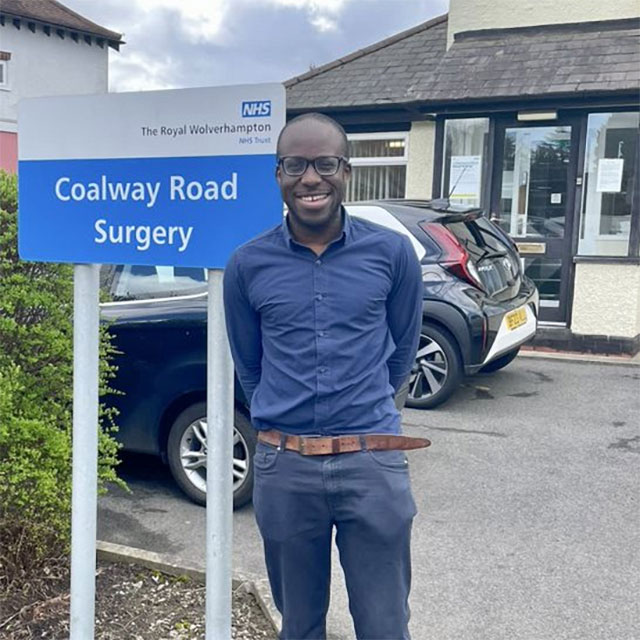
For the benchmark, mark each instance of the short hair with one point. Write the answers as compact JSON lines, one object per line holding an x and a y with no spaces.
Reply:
{"x":319,"y":117}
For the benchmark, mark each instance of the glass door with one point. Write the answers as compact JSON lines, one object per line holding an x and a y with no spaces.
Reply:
{"x":533,"y":199}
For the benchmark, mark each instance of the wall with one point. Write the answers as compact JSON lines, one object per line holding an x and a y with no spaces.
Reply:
{"x":607,"y":300}
{"x":470,"y":15}
{"x":8,"y":151}
{"x":44,"y":65}
{"x":420,"y":160}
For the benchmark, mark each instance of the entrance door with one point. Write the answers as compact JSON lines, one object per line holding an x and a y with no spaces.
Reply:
{"x":533,"y":201}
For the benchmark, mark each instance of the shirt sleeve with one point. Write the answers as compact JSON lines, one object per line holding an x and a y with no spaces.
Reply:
{"x":243,"y":328}
{"x":404,"y":313}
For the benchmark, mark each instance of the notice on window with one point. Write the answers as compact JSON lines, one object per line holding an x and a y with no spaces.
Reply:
{"x":610,"y":175}
{"x":465,"y":175}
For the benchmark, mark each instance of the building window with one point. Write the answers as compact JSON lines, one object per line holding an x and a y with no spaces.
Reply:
{"x":465,"y":149}
{"x":379,"y":162}
{"x":4,"y":74}
{"x":610,"y":173}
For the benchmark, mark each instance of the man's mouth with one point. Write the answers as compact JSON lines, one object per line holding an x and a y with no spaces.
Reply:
{"x":313,"y":197}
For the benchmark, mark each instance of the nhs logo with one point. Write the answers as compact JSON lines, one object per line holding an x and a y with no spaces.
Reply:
{"x":256,"y":109}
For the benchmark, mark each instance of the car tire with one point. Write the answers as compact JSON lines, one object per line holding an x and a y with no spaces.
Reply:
{"x":187,"y":445}
{"x":501,"y":362}
{"x":437,"y":370}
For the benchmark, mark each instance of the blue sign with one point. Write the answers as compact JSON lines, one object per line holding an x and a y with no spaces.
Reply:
{"x":112,"y":197}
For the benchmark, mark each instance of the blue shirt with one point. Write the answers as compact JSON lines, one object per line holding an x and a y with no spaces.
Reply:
{"x":321,"y":343}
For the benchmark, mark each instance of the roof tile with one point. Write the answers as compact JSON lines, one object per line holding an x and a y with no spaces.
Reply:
{"x":55,"y":13}
{"x":584,"y":57}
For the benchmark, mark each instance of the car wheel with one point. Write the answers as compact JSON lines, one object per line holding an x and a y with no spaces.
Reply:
{"x":437,"y":370}
{"x":187,"y":454}
{"x":500,"y":362}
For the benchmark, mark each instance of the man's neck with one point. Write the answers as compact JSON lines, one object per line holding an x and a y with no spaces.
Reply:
{"x":315,"y":239}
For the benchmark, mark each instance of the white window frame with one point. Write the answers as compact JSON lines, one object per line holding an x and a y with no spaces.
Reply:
{"x":4,"y":84}
{"x":597,"y":237}
{"x":382,"y":161}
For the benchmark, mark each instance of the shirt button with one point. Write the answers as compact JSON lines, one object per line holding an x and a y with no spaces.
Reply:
{"x":321,"y":334}
{"x":319,"y":296}
{"x":318,"y":263}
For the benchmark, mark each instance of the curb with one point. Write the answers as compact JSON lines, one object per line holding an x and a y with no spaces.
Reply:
{"x":587,"y":358}
{"x":257,"y":587}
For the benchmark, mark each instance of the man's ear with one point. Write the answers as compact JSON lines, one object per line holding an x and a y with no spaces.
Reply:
{"x":278,"y":174}
{"x":347,"y":171}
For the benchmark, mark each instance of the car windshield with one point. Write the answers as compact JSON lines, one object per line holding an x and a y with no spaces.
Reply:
{"x":139,"y":282}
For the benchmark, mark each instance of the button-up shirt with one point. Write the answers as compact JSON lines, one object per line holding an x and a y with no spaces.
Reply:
{"x":321,"y":343}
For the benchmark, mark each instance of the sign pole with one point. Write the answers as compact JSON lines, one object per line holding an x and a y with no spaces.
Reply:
{"x":219,"y":466}
{"x":85,"y":449}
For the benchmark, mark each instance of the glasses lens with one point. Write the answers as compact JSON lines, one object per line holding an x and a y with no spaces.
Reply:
{"x":294,"y":166}
{"x":327,"y":165}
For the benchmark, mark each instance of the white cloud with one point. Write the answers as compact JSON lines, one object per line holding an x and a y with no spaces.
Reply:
{"x":140,"y":72}
{"x":322,"y":14}
{"x":188,"y":43}
{"x":323,"y":23}
{"x":330,"y":6}
{"x":202,"y":20}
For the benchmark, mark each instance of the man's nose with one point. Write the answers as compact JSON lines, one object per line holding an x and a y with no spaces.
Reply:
{"x":310,"y":176}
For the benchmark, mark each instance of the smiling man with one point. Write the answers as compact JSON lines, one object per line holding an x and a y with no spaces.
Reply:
{"x":323,"y":315}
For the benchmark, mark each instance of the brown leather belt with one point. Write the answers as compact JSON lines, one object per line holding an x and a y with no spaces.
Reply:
{"x":322,"y":446}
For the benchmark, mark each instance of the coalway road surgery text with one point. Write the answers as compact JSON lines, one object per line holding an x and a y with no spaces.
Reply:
{"x":179,"y":189}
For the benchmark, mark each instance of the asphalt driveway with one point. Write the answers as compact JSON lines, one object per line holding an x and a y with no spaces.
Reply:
{"x":529,"y":516}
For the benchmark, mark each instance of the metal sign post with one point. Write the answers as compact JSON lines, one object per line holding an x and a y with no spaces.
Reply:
{"x":177,"y":178}
{"x":85,"y":450}
{"x":219,"y":466}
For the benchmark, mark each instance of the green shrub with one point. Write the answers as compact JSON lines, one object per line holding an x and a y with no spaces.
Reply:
{"x":36,"y":392}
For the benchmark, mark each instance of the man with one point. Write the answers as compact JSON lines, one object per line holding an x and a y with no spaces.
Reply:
{"x":323,"y":315}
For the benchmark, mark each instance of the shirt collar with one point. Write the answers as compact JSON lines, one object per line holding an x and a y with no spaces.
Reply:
{"x":344,"y":237}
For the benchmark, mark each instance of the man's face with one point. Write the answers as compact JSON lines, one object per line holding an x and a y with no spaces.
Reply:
{"x":313,"y":200}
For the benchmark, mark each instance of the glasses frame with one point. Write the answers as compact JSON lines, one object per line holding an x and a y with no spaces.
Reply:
{"x":340,"y":159}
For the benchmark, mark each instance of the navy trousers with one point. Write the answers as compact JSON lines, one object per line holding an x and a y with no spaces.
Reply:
{"x":367,"y":497}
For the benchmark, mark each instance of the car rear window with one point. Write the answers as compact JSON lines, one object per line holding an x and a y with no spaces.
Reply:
{"x":493,"y":256}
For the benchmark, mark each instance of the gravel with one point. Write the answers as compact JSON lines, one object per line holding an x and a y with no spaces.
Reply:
{"x":133,"y":603}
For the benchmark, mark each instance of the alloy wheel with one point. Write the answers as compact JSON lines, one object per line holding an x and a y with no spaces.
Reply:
{"x":193,"y":455}
{"x":430,"y":369}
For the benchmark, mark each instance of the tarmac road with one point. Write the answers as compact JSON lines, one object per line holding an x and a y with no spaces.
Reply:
{"x":529,"y":516}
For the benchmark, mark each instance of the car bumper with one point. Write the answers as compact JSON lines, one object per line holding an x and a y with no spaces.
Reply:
{"x":507,"y":339}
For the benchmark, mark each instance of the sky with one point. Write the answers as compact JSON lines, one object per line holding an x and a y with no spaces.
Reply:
{"x":173,"y":44}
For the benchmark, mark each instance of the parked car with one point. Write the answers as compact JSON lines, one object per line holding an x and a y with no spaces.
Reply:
{"x":479,"y":308}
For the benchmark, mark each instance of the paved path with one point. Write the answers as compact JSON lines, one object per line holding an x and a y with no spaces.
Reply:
{"x":529,"y":523}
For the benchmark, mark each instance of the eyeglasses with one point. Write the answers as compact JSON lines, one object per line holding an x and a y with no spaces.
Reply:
{"x":324,"y":165}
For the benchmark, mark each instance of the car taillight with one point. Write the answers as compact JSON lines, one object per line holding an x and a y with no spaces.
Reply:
{"x":455,"y":257}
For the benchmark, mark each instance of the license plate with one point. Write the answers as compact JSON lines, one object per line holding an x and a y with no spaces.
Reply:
{"x":516,"y":318}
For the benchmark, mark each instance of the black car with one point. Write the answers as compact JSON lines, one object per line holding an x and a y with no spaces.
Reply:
{"x":478,"y":309}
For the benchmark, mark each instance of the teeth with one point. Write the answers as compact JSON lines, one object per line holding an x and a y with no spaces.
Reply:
{"x":313,"y":198}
